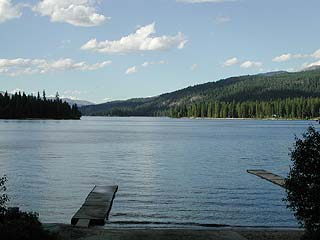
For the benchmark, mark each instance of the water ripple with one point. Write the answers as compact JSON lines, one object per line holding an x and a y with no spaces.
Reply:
{"x":169,"y":172}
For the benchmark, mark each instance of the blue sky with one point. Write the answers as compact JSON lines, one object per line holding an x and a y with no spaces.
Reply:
{"x":102,"y":50}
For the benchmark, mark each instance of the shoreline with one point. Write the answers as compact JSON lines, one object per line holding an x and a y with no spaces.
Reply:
{"x":266,"y":119}
{"x":68,"y":232}
{"x":37,"y":119}
{"x":206,"y":118}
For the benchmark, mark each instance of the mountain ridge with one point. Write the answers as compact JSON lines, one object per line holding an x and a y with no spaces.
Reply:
{"x":279,"y":85}
{"x":266,"y":87}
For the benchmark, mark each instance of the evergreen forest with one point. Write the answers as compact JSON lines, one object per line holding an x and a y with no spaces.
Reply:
{"x":22,"y":106}
{"x":294,"y":95}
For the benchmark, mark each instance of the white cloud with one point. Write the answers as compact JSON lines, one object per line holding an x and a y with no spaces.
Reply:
{"x":250,"y":64}
{"x":107,"y":99}
{"x":289,"y":56}
{"x":194,"y":67}
{"x":135,"y":69}
{"x":9,"y":11}
{"x":282,"y":58}
{"x":22,"y":66}
{"x":300,"y":55}
{"x":316,"y":54}
{"x":230,"y":62}
{"x":147,"y":64}
{"x":74,"y":92}
{"x":223,"y":19}
{"x":309,"y":65}
{"x":205,"y":1}
{"x":131,"y":70}
{"x":76,"y":12}
{"x":141,"y":40}
{"x":179,"y":38}
{"x":69,"y":97}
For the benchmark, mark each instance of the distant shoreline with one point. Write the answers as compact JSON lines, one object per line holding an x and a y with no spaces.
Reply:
{"x":270,"y":119}
{"x":184,"y":118}
{"x":27,"y":119}
{"x":206,"y":118}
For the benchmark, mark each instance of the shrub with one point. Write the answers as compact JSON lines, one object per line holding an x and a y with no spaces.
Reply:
{"x":23,"y":226}
{"x":3,"y":196}
{"x":303,"y":183}
{"x":19,"y":225}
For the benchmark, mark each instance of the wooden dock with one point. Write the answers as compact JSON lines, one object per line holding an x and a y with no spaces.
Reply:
{"x":96,"y":208}
{"x":271,"y":177}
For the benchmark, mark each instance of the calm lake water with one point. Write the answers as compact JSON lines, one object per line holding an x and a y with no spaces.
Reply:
{"x":169,"y":171}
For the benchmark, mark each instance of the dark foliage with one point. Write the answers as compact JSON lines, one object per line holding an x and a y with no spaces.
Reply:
{"x":296,"y":108}
{"x":303,"y":183}
{"x":3,"y":196}
{"x":284,"y":95}
{"x":22,"y":106}
{"x":23,"y":226}
{"x":19,"y":225}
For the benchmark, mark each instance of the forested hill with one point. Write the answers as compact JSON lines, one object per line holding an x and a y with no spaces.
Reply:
{"x":279,"y":94}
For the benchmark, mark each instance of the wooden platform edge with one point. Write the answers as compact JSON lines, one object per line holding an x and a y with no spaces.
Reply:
{"x":86,"y":222}
{"x":113,"y":197}
{"x":269,"y":176}
{"x":83,"y":223}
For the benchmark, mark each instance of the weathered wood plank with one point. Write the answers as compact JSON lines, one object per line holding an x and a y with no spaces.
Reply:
{"x":83,"y":223}
{"x":271,"y":177}
{"x":96,"y":208}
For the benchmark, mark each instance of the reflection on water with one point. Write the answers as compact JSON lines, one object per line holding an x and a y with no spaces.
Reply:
{"x":168,"y":171}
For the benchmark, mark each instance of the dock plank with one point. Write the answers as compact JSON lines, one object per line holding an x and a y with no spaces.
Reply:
{"x":271,"y":177}
{"x":83,"y":223}
{"x":96,"y":208}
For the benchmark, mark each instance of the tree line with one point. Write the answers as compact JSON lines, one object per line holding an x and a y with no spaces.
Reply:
{"x":293,"y":108}
{"x":284,"y":95}
{"x":22,"y":106}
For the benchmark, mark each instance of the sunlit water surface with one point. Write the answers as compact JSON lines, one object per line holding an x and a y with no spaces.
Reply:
{"x":170,"y":172}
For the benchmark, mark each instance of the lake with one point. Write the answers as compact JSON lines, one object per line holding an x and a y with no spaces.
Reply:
{"x":170,"y":172}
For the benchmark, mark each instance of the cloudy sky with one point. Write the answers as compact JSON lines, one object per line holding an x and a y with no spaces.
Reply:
{"x":102,"y":50}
